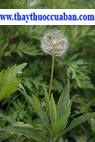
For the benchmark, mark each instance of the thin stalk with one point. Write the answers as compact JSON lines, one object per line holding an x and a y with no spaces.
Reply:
{"x":51,"y":76}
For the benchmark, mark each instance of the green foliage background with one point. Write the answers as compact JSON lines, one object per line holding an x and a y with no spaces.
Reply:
{"x":21,"y":44}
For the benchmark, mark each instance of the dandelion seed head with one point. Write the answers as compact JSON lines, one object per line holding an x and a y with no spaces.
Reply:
{"x":54,"y":43}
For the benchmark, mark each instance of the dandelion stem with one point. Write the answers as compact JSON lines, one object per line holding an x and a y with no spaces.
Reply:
{"x":51,"y":76}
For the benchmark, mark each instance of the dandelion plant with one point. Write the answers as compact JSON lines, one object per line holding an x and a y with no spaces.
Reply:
{"x":54,"y":43}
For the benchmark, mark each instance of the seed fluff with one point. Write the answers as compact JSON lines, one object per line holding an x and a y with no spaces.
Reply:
{"x":54,"y":43}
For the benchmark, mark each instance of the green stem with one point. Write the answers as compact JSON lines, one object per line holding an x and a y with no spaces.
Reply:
{"x":51,"y":77}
